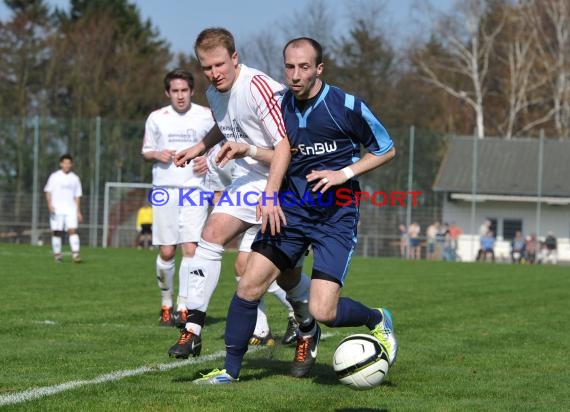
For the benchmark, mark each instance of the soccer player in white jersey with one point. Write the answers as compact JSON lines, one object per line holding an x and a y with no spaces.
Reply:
{"x":180,"y":124}
{"x":63,"y":194}
{"x":245,"y":105}
{"x":217,"y":179}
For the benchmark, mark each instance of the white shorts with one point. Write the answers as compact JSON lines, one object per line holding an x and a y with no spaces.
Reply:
{"x":248,"y":238}
{"x":240,"y":199}
{"x":173,"y":224}
{"x":62,"y":221}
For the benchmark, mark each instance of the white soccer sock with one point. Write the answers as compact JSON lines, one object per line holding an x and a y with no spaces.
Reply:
{"x":202,"y":275}
{"x":164,"y":274}
{"x":280,"y":294}
{"x":74,"y":243}
{"x":261,"y":324}
{"x":194,"y":328}
{"x":298,"y":297}
{"x":183,"y":283}
{"x":56,"y":245}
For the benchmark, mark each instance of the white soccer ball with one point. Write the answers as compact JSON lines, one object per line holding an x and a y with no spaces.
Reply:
{"x":360,"y":361}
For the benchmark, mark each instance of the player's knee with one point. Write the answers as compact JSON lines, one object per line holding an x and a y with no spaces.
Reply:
{"x":167,"y":252}
{"x":250,"y":288}
{"x":58,"y":233}
{"x":322,"y":313}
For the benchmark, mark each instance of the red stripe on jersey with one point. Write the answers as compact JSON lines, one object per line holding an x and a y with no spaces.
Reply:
{"x":275,"y":110}
{"x":271,"y":102}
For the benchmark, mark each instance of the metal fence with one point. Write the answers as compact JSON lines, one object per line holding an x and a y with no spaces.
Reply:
{"x":107,"y":150}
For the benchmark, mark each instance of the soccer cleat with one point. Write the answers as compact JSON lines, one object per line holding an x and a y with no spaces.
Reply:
{"x":305,"y":354}
{"x":384,"y":332}
{"x":179,"y":318}
{"x":76,"y":258}
{"x":267,"y":340}
{"x":188,"y":344}
{"x":57,"y":258}
{"x":216,"y":377}
{"x":166,"y":316}
{"x":291,"y":332}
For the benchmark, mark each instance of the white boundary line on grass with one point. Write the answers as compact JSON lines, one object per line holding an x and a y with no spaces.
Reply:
{"x":36,"y":393}
{"x":43,"y":391}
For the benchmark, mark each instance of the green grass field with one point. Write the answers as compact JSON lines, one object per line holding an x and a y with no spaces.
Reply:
{"x":473,"y":337}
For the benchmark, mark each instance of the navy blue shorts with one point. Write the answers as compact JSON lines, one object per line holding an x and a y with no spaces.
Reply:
{"x":331,"y":235}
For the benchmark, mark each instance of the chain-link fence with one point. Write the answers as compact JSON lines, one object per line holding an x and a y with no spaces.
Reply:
{"x":107,"y":150}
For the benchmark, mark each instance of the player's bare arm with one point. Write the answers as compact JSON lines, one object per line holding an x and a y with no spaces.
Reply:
{"x":213,"y":137}
{"x":235,"y":150}
{"x":162,"y":156}
{"x":49,"y":204}
{"x":79,"y":215}
{"x":329,"y":178}
{"x":270,"y":211}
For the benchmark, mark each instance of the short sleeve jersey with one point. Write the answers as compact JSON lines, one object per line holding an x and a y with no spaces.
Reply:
{"x":166,"y":129}
{"x":64,"y":189}
{"x":328,"y":135}
{"x":250,"y":112}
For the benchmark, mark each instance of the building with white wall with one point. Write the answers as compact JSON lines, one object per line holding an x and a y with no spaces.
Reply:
{"x":518,"y":184}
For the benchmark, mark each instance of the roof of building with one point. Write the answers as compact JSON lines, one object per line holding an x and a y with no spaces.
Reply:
{"x":506,"y":167}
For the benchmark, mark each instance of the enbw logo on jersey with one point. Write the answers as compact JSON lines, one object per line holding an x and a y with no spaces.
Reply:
{"x":317,"y":148}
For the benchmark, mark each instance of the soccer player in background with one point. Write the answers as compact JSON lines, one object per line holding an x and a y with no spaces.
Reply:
{"x":63,"y":195}
{"x":245,"y":105}
{"x":180,"y":124}
{"x":326,"y":127}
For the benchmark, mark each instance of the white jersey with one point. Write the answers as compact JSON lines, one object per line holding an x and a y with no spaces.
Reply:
{"x":250,"y":113}
{"x":166,"y":129}
{"x":64,"y":189}
{"x":218,"y":178}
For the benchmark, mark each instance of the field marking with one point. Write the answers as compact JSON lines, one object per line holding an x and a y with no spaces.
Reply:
{"x":43,"y":391}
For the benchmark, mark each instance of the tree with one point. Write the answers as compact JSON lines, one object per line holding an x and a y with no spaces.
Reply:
{"x":551,"y":18}
{"x":519,"y":75}
{"x":468,"y":42}
{"x":108,"y":56}
{"x":23,"y":54}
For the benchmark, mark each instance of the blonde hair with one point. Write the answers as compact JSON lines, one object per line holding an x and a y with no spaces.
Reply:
{"x":213,"y":37}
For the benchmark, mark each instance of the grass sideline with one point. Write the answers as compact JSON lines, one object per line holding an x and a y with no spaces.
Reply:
{"x":478,"y":337}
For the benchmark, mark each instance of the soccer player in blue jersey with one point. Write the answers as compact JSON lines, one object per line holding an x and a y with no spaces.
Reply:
{"x":326,"y":127}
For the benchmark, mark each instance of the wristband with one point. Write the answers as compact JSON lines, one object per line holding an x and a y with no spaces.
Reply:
{"x":252,"y":151}
{"x":348,"y":172}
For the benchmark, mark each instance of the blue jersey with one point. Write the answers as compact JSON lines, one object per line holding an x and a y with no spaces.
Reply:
{"x":327,"y":136}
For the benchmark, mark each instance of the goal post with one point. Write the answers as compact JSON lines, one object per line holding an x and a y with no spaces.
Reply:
{"x":122,"y":201}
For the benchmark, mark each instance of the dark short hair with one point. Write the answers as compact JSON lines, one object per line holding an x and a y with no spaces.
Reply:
{"x":213,"y":37}
{"x":64,"y":157}
{"x":178,"y":74}
{"x":314,"y":44}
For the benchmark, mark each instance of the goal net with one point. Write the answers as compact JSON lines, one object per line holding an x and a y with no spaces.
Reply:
{"x":121,"y":204}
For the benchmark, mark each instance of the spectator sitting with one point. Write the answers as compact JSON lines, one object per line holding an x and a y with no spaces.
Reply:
{"x":518,"y":248}
{"x":487,"y":247}
{"x":530,"y":249}
{"x":551,"y":249}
